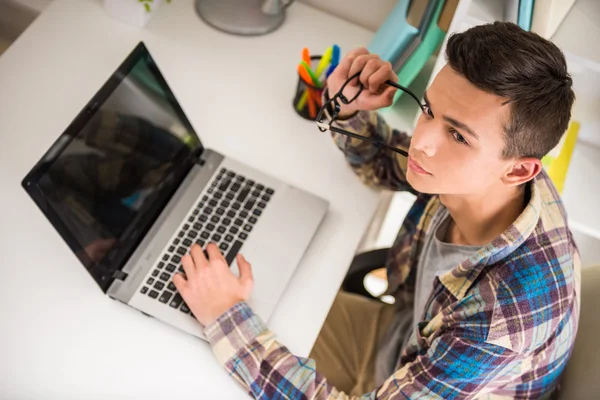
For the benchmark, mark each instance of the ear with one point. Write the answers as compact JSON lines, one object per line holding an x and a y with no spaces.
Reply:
{"x":522,"y":171}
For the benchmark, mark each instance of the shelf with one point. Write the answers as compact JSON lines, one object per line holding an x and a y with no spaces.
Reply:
{"x":581,"y":194}
{"x":586,"y":85}
{"x":579,"y":32}
{"x":485,"y":11}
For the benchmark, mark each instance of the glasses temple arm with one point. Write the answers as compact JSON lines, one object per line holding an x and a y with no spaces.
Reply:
{"x":376,"y":142}
{"x":410,"y":93}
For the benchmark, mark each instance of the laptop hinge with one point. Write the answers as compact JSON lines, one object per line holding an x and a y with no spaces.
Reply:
{"x":198,"y":156}
{"x":120,"y":275}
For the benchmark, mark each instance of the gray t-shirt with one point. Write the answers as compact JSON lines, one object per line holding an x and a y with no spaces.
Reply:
{"x":437,"y":258}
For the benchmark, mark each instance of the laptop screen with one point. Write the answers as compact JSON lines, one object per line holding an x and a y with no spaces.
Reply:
{"x":108,"y":177}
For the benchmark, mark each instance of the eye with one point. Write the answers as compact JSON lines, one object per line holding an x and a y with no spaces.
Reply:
{"x":427,"y":110}
{"x":458,"y":137}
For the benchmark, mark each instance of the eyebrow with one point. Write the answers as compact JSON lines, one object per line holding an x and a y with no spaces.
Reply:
{"x":453,"y":121}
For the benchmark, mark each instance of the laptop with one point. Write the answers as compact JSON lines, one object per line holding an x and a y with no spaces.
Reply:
{"x":130,"y":187}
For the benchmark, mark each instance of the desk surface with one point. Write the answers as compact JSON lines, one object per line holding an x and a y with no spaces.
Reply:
{"x":61,"y":337}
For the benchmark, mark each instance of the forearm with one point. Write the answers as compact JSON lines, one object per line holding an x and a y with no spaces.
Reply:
{"x":262,"y":366}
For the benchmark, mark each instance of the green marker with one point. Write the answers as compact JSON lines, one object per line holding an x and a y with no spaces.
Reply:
{"x":314,"y":79}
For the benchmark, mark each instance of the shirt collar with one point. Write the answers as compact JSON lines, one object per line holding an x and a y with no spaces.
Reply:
{"x":459,"y":280}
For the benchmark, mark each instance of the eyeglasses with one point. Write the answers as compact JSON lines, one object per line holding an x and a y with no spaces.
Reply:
{"x":334,"y":103}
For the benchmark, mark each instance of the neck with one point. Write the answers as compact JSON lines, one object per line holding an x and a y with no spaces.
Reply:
{"x":478,"y":219}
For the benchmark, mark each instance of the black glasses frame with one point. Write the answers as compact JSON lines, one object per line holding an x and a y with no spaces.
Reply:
{"x":334,"y":103}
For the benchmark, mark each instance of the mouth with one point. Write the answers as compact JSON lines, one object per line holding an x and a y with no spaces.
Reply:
{"x":416,"y":167}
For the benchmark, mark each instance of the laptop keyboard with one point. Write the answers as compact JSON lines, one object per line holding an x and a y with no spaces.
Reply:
{"x":225,"y":215}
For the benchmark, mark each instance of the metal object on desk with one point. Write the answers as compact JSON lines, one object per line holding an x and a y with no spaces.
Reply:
{"x":243,"y":17}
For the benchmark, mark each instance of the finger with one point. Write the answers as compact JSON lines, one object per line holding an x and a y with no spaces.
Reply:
{"x":359,"y":63}
{"x":343,"y":67}
{"x":371,"y":67}
{"x":213,"y":252}
{"x":188,"y":266}
{"x":377,"y":78}
{"x":246,"y":277}
{"x":358,"y":51}
{"x":373,"y":101}
{"x":389,"y":94}
{"x":180,"y":283}
{"x":200,"y":260}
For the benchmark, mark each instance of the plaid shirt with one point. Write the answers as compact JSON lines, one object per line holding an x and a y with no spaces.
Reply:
{"x":499,"y":325}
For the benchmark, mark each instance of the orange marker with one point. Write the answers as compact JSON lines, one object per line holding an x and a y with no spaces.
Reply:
{"x":311,"y":98}
{"x":306,"y":56}
{"x":304,"y":75}
{"x":312,"y":108}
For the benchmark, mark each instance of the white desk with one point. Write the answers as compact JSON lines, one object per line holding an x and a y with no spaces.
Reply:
{"x":61,"y":337}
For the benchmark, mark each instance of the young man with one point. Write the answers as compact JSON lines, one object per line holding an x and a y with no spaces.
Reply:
{"x":484,"y":270}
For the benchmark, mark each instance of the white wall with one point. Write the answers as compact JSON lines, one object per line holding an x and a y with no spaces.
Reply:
{"x":367,"y":13}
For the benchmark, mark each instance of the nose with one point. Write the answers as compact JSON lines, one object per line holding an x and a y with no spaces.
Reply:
{"x":426,"y":137}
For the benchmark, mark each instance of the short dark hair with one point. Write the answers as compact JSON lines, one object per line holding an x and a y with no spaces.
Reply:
{"x":528,"y":70}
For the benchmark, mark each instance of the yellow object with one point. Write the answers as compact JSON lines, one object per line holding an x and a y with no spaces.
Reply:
{"x":559,"y":166}
{"x":324,"y":63}
{"x":302,"y":101}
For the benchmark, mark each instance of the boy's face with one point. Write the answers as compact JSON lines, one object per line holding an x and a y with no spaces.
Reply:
{"x":458,"y":150}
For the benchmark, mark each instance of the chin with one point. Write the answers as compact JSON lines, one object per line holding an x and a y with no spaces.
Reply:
{"x":422,"y":183}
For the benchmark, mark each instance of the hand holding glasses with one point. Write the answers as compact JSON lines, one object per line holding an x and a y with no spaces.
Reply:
{"x":334,"y":105}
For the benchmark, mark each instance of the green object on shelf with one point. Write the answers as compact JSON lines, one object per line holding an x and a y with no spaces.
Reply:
{"x":395,"y":35}
{"x":525,"y":14}
{"x":431,"y":42}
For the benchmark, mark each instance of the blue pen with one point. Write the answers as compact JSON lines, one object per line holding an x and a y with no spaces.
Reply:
{"x":335,"y":59}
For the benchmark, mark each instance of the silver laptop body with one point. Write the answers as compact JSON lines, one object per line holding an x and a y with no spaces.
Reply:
{"x":274,"y":247}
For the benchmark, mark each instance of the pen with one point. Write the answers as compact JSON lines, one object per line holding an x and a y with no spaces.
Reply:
{"x":335,"y":59}
{"x":308,"y":76}
{"x":325,"y":59}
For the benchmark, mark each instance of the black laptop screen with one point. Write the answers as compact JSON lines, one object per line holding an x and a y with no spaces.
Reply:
{"x":105,"y":180}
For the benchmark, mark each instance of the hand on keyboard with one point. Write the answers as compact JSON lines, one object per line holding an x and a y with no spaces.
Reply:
{"x":211,"y":288}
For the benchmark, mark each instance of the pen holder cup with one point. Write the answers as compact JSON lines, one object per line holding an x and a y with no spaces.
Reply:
{"x":307,"y":100}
